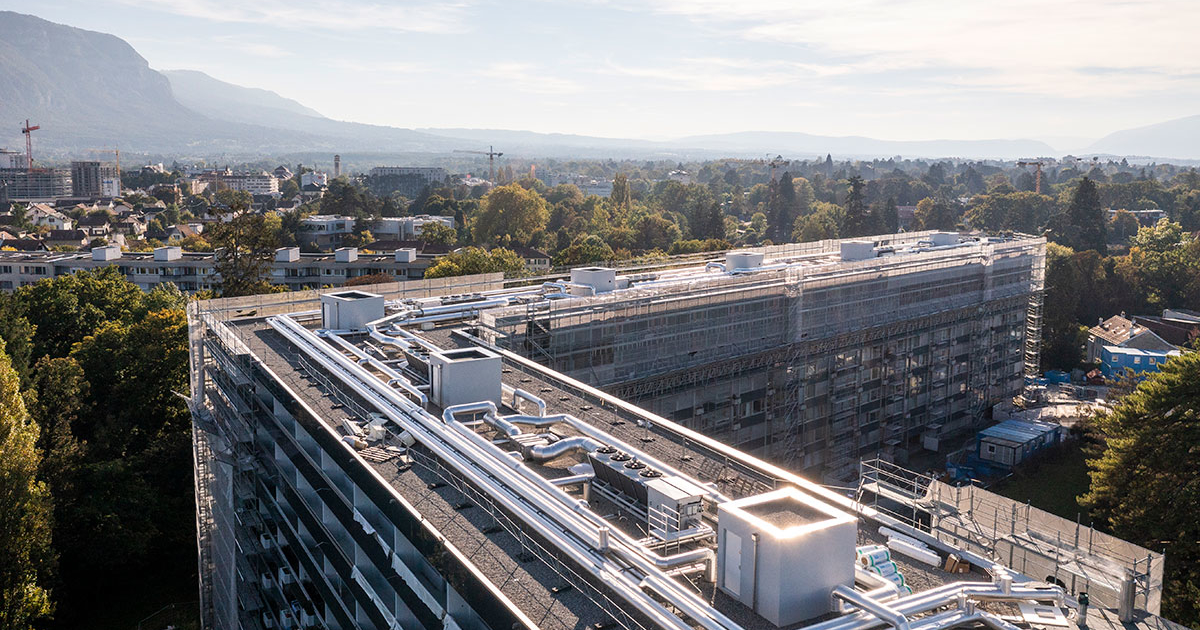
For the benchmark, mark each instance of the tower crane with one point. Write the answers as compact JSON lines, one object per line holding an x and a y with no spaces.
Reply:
{"x":1037,"y":186}
{"x":28,"y":131}
{"x":492,"y":154}
{"x":115,"y":152}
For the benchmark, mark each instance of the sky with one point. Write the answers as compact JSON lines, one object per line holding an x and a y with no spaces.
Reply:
{"x":1063,"y":71}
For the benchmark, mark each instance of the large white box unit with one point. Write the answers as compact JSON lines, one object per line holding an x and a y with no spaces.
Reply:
{"x":602,"y":279}
{"x":350,"y":310}
{"x":464,"y":375}
{"x":783,"y":552}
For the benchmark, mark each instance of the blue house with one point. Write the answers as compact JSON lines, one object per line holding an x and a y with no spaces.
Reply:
{"x":1115,"y":359}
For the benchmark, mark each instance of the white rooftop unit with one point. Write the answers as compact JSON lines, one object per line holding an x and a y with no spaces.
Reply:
{"x":602,"y":279}
{"x":464,"y":375}
{"x":743,"y":260}
{"x":168,"y":253}
{"x":108,"y":252}
{"x":857,"y":250}
{"x":345,"y":254}
{"x":783,"y":552}
{"x":674,"y":504}
{"x":350,"y":310}
{"x":287,"y":254}
{"x":406,"y":255}
{"x":944,"y":238}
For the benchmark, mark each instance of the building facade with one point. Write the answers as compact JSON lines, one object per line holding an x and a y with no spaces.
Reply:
{"x":196,"y":271}
{"x":91,"y":180}
{"x":364,"y":459}
{"x":406,"y":180}
{"x":814,"y":357}
{"x":42,"y":184}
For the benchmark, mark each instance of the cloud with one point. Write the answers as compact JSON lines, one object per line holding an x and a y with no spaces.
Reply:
{"x":526,"y":77}
{"x":722,"y":74}
{"x":424,"y":16}
{"x":1029,"y":46}
{"x":250,"y":47}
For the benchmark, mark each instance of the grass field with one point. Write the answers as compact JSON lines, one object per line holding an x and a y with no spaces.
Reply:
{"x":1052,"y":483}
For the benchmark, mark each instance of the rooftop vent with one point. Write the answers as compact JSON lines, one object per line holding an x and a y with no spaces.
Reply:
{"x":287,"y":254}
{"x":108,"y":252}
{"x":465,"y":375}
{"x":940,"y":239}
{"x":350,"y":310}
{"x":169,"y":253}
{"x":602,"y":279}
{"x":406,"y":255}
{"x":764,"y":538}
{"x":743,"y":260}
{"x":857,"y":250}
{"x":345,"y":254}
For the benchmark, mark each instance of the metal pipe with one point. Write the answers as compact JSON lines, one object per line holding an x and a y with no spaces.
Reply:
{"x":715,"y":265}
{"x":441,"y":443}
{"x":520,"y":393}
{"x":893,"y":617}
{"x":543,"y":452}
{"x":489,"y":415}
{"x":573,"y":480}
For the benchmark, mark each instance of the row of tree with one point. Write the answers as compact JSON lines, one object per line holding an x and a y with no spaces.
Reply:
{"x":95,"y":472}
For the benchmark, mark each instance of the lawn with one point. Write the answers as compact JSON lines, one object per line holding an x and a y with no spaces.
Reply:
{"x":1051,"y":483}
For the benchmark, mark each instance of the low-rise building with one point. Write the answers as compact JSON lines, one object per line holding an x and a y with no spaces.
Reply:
{"x":1122,"y":332}
{"x":196,"y":271}
{"x":41,"y":214}
{"x":66,"y":238}
{"x":536,"y":260}
{"x":1115,"y":360}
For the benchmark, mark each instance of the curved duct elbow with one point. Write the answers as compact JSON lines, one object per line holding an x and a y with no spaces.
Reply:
{"x":715,"y":265}
{"x":520,"y":393}
{"x":543,"y":452}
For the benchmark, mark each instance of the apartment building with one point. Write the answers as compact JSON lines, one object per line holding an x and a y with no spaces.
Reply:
{"x":196,"y":271}
{"x":367,"y":459}
{"x":812,"y":355}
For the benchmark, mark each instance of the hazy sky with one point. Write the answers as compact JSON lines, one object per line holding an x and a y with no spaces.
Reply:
{"x":894,"y":69}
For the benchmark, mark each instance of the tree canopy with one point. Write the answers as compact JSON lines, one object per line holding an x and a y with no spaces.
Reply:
{"x":1146,"y":477}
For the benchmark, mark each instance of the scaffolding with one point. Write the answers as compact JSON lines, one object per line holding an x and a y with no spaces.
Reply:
{"x":1019,"y":536}
{"x":850,"y":359}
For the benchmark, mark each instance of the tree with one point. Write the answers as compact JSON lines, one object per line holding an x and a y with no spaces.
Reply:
{"x":1087,"y":216}
{"x":781,"y":209}
{"x":1123,"y":226}
{"x":1146,"y":479}
{"x":65,"y":309}
{"x":655,"y":232}
{"x":825,"y":222}
{"x":511,"y":213}
{"x":858,"y":222}
{"x":26,"y":556}
{"x":438,"y":234}
{"x":620,"y":196}
{"x":473,"y":260}
{"x":585,"y":249}
{"x":247,"y":247}
{"x":935,"y":214}
{"x":234,"y":199}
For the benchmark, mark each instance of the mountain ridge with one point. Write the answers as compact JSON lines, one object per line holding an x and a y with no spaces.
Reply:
{"x":89,"y":89}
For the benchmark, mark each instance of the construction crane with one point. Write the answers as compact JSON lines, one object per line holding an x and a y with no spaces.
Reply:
{"x":1037,"y":186}
{"x":28,"y":131}
{"x":773,"y":163}
{"x":115,"y":152}
{"x":492,"y":154}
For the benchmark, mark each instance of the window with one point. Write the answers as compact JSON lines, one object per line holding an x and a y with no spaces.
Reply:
{"x":991,"y":449}
{"x":1137,"y":360}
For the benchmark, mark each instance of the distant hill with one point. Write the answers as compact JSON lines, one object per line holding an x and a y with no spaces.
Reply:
{"x":92,"y":90}
{"x":1179,"y":138}
{"x":791,"y":143}
{"x":83,"y":88}
{"x":202,"y":93}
